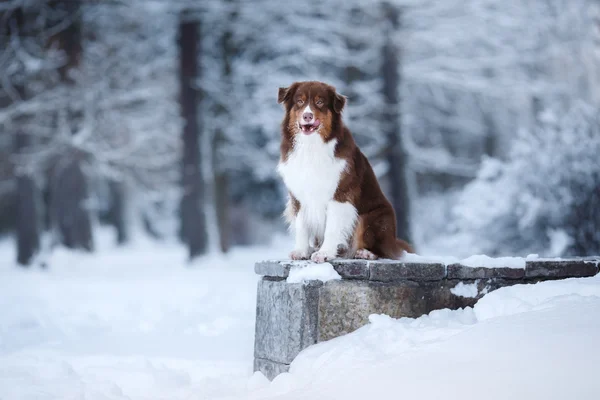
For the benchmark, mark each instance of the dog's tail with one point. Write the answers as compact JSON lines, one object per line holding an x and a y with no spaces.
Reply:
{"x":395,"y":249}
{"x":401,"y":247}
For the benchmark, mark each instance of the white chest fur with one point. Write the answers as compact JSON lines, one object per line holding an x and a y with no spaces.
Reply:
{"x":312,"y":174}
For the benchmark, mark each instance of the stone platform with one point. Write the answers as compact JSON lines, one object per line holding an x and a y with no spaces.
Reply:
{"x":293,"y":316}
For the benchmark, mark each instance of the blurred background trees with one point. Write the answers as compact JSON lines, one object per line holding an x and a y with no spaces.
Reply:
{"x":479,"y":117}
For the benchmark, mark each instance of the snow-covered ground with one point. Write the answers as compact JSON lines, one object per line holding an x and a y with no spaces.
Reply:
{"x":136,"y":323}
{"x":140,"y":323}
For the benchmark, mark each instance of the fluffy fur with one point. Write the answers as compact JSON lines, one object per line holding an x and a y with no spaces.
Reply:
{"x":336,"y":207}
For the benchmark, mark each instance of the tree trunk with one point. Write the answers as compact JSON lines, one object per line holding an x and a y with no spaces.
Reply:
{"x":392,"y":127}
{"x":69,"y":190}
{"x":69,"y":194}
{"x":222,"y":210}
{"x":117,"y":212}
{"x":27,"y":207}
{"x":221,"y":179}
{"x":193,"y":222}
{"x":27,"y":193}
{"x":221,"y":192}
{"x":490,"y":141}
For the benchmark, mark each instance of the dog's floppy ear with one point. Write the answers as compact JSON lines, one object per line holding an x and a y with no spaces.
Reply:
{"x":339,"y":101}
{"x":283,"y":94}
{"x":286,"y":93}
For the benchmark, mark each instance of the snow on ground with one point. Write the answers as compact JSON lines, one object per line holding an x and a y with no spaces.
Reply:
{"x":140,"y":323}
{"x":137,"y":323}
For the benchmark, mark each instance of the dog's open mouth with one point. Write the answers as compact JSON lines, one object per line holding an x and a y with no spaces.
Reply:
{"x":310,"y":128}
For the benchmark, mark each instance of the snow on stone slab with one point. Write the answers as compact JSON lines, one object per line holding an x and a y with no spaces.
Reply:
{"x":484,"y":261}
{"x":307,"y":271}
{"x":465,"y":290}
{"x":475,"y":261}
{"x":416,"y":258}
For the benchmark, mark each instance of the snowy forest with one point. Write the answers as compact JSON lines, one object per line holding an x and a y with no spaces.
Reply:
{"x":481,"y":119}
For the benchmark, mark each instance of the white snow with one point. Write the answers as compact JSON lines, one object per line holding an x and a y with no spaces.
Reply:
{"x":302,"y":272}
{"x":140,"y":323}
{"x":416,"y":258}
{"x":478,"y":260}
{"x":136,"y":323}
{"x":482,"y":260}
{"x":465,"y":290}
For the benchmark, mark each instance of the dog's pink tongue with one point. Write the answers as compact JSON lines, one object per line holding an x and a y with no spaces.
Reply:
{"x":308,"y":129}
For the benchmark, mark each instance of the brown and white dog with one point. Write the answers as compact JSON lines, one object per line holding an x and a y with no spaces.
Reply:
{"x":336,"y":207}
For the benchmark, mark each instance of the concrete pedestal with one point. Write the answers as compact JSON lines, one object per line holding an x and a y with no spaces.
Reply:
{"x":292,"y":316}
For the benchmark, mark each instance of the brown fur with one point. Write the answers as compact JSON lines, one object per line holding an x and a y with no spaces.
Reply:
{"x":376,"y":226}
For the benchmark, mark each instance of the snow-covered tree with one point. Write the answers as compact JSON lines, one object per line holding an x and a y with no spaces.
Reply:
{"x":544,"y":198}
{"x":474,"y":73}
{"x":123,"y":92}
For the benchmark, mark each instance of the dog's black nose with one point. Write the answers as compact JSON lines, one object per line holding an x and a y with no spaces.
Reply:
{"x":307,"y":117}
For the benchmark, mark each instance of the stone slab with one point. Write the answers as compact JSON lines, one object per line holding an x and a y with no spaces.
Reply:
{"x":352,"y":269}
{"x":269,"y":368}
{"x":293,"y":316}
{"x":286,"y":319}
{"x":273,"y":268}
{"x":390,"y":271}
{"x":459,"y":271}
{"x":560,"y":269}
{"x":345,"y":306}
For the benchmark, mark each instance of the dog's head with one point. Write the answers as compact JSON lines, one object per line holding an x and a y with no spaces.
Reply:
{"x":311,"y":107}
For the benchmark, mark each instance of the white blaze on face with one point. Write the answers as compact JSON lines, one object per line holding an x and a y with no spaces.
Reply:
{"x":306,"y":110}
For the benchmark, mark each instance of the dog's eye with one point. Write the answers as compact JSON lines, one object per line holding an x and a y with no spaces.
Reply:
{"x":319,"y":103}
{"x":300,"y":102}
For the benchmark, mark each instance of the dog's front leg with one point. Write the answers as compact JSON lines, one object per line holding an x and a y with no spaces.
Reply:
{"x":302,"y":238}
{"x":339,"y":227}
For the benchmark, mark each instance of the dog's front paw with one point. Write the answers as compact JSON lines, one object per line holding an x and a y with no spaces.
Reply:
{"x":365,"y":254}
{"x":299,"y":254}
{"x":322,"y":256}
